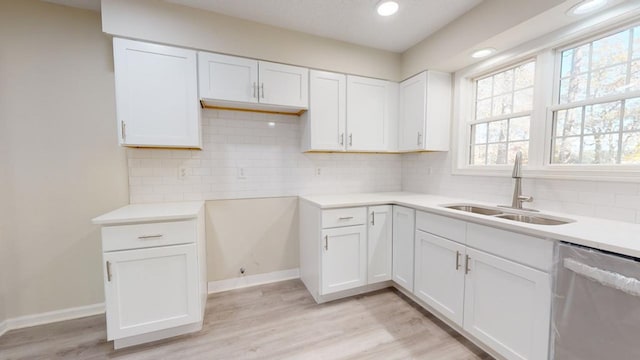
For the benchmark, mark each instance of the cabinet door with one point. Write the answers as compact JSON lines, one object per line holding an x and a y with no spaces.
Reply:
{"x":284,"y":85}
{"x":439,"y":274}
{"x":156,"y":95}
{"x":507,"y":306}
{"x":379,"y":249}
{"x":412,"y":112}
{"x":371,"y":114}
{"x":327,"y":110}
{"x":229,"y":78}
{"x":151,"y":289}
{"x":344,"y":258}
{"x":403,"y":232}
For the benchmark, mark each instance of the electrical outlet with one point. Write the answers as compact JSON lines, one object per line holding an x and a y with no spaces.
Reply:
{"x":241,"y":173}
{"x":182,"y":173}
{"x":318,"y":171}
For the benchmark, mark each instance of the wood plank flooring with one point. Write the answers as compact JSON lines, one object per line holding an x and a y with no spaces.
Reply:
{"x":274,"y":321}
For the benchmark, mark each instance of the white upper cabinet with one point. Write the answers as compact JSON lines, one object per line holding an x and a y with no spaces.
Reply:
{"x":425,"y":112}
{"x":324,"y":125}
{"x":156,"y":95}
{"x":283,"y":85}
{"x":235,"y":82}
{"x":228,"y":78}
{"x":371,"y":114}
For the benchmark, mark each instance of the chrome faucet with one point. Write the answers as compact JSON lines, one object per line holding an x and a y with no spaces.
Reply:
{"x":518,"y":198}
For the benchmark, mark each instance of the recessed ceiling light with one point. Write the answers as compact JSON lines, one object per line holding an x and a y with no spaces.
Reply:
{"x":586,"y":6}
{"x":387,"y":8}
{"x":478,"y":54}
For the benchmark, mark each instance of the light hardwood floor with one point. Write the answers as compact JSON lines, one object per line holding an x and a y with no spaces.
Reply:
{"x":274,"y":321}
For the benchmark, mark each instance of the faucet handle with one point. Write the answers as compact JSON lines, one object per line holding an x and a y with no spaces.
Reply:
{"x":525,"y":198}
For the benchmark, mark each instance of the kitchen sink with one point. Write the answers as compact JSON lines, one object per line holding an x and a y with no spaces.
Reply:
{"x":537,"y":219}
{"x":475,"y":209}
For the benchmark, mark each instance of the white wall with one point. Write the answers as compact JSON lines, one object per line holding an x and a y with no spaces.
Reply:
{"x":431,"y":173}
{"x":62,"y":160}
{"x":270,"y":156}
{"x":163,"y":22}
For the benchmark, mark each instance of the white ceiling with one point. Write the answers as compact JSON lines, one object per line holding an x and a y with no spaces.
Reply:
{"x":354,"y":21}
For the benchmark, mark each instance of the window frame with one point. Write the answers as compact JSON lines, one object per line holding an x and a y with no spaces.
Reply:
{"x":548,"y":56}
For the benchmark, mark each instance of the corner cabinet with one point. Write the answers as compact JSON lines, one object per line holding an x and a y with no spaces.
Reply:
{"x":156,"y":95}
{"x":372,"y":107}
{"x":425,"y":112}
{"x":344,"y":251}
{"x":324,"y":125}
{"x":154,"y":271}
{"x":403,"y":232}
{"x":240,"y":83}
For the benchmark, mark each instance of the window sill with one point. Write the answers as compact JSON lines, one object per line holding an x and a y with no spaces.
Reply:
{"x":586,"y":173}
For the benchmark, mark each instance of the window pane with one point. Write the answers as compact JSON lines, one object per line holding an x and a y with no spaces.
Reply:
{"x":524,"y":75}
{"x":501,"y":105}
{"x":575,"y":61}
{"x":573,"y":89}
{"x":479,"y":156}
{"x":479,"y":132}
{"x":566,"y":150}
{"x":611,"y":50}
{"x":608,"y":81}
{"x":483,"y":88}
{"x":519,"y":128}
{"x":519,"y":146}
{"x":523,"y":100}
{"x":497,"y":154}
{"x":483,"y":109}
{"x":631,"y":114}
{"x":630,"y":148}
{"x":503,"y":82}
{"x":569,"y":122}
{"x":600,"y":149}
{"x":602,"y":118}
{"x":498,"y":131}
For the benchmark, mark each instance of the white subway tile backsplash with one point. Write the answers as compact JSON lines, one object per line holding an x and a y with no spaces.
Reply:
{"x":270,"y":158}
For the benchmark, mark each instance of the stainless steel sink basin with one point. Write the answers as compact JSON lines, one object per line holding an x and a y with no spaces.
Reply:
{"x":475,"y":209}
{"x":535,"y":219}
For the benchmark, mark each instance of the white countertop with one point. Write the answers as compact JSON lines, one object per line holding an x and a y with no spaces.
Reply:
{"x":615,"y":236}
{"x":151,"y":212}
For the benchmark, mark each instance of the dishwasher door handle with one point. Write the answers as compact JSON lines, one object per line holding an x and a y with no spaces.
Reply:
{"x":607,"y":278}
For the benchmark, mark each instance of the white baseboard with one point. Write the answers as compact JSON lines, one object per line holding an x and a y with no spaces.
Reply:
{"x":252,"y":280}
{"x":3,"y":327}
{"x":50,"y":317}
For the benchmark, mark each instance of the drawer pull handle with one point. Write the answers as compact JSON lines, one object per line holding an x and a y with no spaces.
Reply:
{"x":467,"y":269}
{"x":373,"y":218}
{"x":458,"y":260}
{"x":345,"y":218}
{"x":145,"y":237}
{"x":326,"y":242}
{"x":109,"y":271}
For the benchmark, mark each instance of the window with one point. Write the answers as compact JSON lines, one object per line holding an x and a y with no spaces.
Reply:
{"x":597,"y":117}
{"x":503,"y":105}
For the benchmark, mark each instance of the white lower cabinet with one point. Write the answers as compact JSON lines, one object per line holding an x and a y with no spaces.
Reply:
{"x":155,"y":274}
{"x":439,"y":274}
{"x":497,"y":299}
{"x":151,"y":289}
{"x":379,"y":247}
{"x":507,"y":306}
{"x":403,"y":247}
{"x":344,"y":258}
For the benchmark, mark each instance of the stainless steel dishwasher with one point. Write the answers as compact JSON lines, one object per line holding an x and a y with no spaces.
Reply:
{"x":596,"y":305}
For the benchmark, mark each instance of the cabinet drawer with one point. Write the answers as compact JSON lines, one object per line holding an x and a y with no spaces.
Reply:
{"x":136,"y":236}
{"x":525,"y":249}
{"x":442,"y":226}
{"x":344,"y":217}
